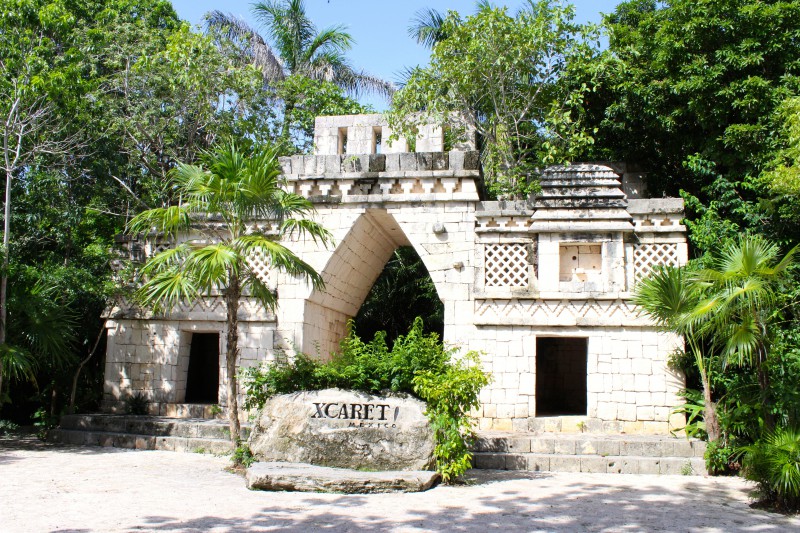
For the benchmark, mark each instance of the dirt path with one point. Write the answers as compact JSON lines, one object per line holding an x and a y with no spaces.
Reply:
{"x":50,"y":488}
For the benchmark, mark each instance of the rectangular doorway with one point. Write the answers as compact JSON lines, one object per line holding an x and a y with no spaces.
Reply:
{"x":561,"y":376}
{"x":202,"y":380}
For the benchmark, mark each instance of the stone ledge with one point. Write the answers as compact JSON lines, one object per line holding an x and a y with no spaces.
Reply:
{"x":302,"y":477}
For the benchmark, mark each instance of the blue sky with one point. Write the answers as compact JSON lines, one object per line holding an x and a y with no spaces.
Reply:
{"x":379,"y":27}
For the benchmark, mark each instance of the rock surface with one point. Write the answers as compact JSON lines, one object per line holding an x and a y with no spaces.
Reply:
{"x":310,"y":478}
{"x":344,"y":429}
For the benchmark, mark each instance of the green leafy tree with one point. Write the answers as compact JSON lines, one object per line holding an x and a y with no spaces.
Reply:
{"x":504,"y":75}
{"x":297,"y":48}
{"x":311,"y":99}
{"x":688,"y":90}
{"x":219,"y":202}
{"x":403,"y":291}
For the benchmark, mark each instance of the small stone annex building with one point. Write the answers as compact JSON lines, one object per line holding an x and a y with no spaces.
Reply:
{"x":541,"y":288}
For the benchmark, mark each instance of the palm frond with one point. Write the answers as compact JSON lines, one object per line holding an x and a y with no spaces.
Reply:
{"x":256,"y":48}
{"x":303,"y":227}
{"x":277,"y":256}
{"x":427,"y":27}
{"x":211,"y":265}
{"x":166,"y":259}
{"x":167,"y":289}
{"x":163,"y":220}
{"x":259,"y":290}
{"x":17,"y":363}
{"x":667,"y":295}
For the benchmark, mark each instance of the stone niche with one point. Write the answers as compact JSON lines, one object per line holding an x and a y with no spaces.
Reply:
{"x":344,"y":429}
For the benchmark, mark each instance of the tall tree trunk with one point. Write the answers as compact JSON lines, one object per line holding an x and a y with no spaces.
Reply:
{"x":710,"y":413}
{"x":232,"y":295}
{"x":288,"y":113}
{"x":4,"y":273}
{"x":763,"y":384}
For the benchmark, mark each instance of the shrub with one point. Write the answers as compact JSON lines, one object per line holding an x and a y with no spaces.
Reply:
{"x":137,"y":404}
{"x":774,"y":463}
{"x":720,"y":458}
{"x":242,"y":456}
{"x":418,"y":364}
{"x":450,"y":396}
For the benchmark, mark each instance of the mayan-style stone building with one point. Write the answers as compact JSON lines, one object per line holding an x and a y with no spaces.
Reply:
{"x":541,"y":288}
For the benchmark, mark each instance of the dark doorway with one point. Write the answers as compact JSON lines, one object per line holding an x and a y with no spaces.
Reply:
{"x":561,"y":376}
{"x":402,"y":292}
{"x":202,"y":382}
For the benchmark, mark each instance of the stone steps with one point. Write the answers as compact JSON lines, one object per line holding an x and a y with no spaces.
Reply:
{"x":172,"y":410}
{"x":591,"y":453}
{"x":146,"y":432}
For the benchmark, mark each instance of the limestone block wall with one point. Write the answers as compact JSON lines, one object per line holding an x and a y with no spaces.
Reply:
{"x":370,"y":134}
{"x":150,"y":355}
{"x":629,"y":387}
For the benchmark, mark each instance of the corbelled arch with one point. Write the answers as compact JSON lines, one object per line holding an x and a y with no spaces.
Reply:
{"x":349,"y":275}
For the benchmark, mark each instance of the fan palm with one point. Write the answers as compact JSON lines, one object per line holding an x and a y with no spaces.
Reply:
{"x":742,"y":285}
{"x":231,"y":190}
{"x":730,"y":306}
{"x":669,"y":295}
{"x":297,"y":47}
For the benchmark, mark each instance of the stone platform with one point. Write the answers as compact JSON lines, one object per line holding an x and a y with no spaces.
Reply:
{"x":143,"y":432}
{"x":302,"y":477}
{"x":593,"y":453}
{"x":545,"y":452}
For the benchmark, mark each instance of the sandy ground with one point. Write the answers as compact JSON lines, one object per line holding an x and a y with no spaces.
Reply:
{"x":59,"y":488}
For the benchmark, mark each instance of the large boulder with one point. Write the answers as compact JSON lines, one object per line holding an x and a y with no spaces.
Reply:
{"x":344,"y":429}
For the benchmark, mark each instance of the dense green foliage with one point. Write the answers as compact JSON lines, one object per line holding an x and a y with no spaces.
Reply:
{"x":109,"y":97}
{"x":504,"y":74}
{"x":403,"y":291}
{"x":692,"y":91}
{"x":417,"y":364}
{"x":774,"y":463}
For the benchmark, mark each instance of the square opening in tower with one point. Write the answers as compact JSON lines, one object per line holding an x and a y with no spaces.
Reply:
{"x":561,"y":376}
{"x":580,"y":262}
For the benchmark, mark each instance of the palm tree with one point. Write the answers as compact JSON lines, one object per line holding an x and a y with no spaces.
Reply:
{"x":740,"y":308}
{"x":729,"y":308}
{"x":231,"y":190}
{"x":669,"y":295}
{"x":297,"y":48}
{"x":428,"y":27}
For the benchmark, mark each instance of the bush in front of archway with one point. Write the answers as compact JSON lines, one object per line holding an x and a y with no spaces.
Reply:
{"x":418,"y":364}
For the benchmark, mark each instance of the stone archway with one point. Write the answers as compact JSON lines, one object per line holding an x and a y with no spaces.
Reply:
{"x":349,"y":275}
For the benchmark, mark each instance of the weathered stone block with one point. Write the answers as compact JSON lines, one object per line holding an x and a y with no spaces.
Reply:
{"x":408,"y":161}
{"x":300,"y":477}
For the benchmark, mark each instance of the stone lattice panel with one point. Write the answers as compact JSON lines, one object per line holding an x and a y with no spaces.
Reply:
{"x":258,"y":263}
{"x":506,"y":265}
{"x":647,"y":256}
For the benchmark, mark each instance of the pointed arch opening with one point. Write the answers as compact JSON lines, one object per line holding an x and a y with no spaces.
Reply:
{"x":361,"y":258}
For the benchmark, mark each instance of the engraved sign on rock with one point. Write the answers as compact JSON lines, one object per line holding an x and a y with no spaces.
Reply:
{"x":344,"y":429}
